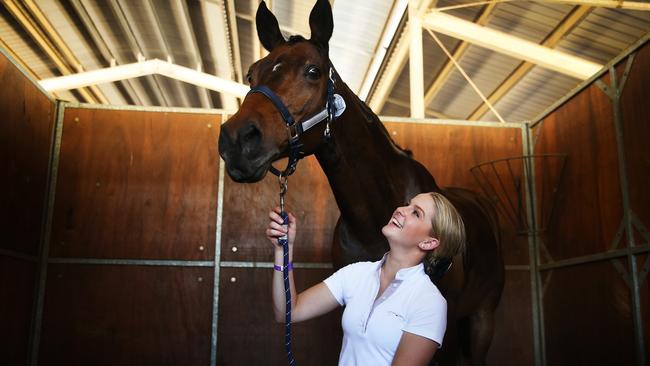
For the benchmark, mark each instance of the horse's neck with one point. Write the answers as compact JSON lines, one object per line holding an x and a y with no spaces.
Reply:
{"x":369,"y":175}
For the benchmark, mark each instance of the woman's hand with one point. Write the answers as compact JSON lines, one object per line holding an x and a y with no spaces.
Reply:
{"x":276,"y":229}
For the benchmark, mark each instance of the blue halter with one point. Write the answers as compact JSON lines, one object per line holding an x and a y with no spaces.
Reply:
{"x":334,"y":107}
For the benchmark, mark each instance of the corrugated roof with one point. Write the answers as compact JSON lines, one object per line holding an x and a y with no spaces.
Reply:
{"x":219,"y":37}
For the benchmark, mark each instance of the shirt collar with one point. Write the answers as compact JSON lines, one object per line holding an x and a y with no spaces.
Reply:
{"x":403,"y":273}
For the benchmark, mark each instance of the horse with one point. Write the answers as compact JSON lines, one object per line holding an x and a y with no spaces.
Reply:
{"x":368,"y":172}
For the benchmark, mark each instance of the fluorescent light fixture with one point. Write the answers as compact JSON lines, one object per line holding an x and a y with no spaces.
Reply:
{"x":510,"y":45}
{"x":138,"y":69}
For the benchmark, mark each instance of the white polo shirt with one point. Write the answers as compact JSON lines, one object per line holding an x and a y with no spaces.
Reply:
{"x":372,"y":329}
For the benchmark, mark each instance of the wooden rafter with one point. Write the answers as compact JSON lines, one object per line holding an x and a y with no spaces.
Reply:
{"x":565,"y":26}
{"x":41,"y":31}
{"x":510,"y":45}
{"x":446,"y":70}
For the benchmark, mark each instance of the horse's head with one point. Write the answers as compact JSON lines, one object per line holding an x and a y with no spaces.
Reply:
{"x":297,"y":72}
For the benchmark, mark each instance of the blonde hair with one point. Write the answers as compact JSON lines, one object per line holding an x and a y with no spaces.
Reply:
{"x":448,"y":227}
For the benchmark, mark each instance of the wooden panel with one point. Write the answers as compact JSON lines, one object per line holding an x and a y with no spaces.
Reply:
{"x":136,"y":185}
{"x":248,"y":333}
{"x":17,"y":281}
{"x":126,"y":315}
{"x":25,"y":143}
{"x":635,"y":111}
{"x":588,"y":318}
{"x":513,"y":334}
{"x":448,"y":152}
{"x":246,"y":208}
{"x":588,"y":211}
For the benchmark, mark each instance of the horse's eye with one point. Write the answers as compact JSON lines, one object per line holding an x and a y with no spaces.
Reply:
{"x":249,"y":78}
{"x":313,"y":72}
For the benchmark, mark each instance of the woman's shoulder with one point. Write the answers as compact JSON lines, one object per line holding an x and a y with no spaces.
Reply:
{"x":426,"y":289}
{"x":359,"y":266}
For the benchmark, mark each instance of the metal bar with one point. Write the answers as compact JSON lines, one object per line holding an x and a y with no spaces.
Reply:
{"x":18,"y":255}
{"x":91,"y":31}
{"x":237,"y":264}
{"x":517,"y":267}
{"x":416,"y":70}
{"x":446,"y":70}
{"x":451,"y":122}
{"x":533,"y":253}
{"x":591,"y":80}
{"x":46,"y":224}
{"x":186,"y":20}
{"x":136,"y":108}
{"x":627,"y":214}
{"x":610,"y":254}
{"x":626,"y":72}
{"x":131,"y":262}
{"x":217,"y":261}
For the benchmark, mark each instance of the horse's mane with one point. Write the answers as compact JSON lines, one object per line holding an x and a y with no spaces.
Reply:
{"x":373,"y":119}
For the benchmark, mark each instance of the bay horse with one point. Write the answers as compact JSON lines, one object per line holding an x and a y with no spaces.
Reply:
{"x":369,"y":174}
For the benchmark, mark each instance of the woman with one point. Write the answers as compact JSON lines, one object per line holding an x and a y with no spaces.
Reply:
{"x":393,"y":313}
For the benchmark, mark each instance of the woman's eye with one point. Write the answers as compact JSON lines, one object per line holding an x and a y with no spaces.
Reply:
{"x":416,"y":213}
{"x":313,"y":73}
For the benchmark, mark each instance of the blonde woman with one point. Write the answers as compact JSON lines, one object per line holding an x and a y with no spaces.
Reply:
{"x":394,"y":314}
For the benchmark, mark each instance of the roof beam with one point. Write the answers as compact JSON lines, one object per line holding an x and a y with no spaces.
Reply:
{"x":178,"y":89}
{"x":98,"y":40}
{"x":512,"y":46}
{"x":204,"y":96}
{"x":139,"y":69}
{"x":61,"y":45}
{"x":394,"y":67}
{"x":234,"y":39}
{"x":565,"y":26}
{"x":220,"y":47}
{"x":616,"y":4}
{"x":390,"y":32}
{"x":416,"y":70}
{"x":136,"y":50}
{"x":447,"y":69}
{"x":25,"y":20}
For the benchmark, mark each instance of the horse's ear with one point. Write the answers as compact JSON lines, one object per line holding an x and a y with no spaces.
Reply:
{"x":268,"y":28}
{"x":321,"y":22}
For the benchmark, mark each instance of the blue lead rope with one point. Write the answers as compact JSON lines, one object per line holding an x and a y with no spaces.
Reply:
{"x":284,"y":241}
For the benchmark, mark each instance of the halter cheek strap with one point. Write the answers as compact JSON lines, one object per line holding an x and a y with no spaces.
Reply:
{"x":334,"y":107}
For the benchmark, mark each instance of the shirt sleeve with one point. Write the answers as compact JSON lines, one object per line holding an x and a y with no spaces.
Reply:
{"x":337,"y":281}
{"x":428,"y":317}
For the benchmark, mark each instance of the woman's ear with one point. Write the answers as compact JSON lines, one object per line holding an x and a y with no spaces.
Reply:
{"x":268,"y":29}
{"x":429,"y":244}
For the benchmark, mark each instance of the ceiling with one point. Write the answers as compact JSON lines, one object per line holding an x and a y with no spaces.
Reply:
{"x":370,"y":48}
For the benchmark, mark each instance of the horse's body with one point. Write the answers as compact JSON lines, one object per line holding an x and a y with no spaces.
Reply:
{"x":369,"y":175}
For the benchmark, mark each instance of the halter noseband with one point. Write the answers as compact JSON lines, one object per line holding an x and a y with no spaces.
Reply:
{"x":334,"y":107}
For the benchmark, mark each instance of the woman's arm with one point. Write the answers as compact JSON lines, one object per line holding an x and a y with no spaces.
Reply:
{"x":414,"y":350}
{"x":316,"y":300}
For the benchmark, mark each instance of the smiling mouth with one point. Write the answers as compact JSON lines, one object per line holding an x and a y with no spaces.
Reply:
{"x":395,"y":222}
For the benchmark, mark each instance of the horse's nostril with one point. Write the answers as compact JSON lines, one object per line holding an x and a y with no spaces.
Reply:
{"x":250,"y":137}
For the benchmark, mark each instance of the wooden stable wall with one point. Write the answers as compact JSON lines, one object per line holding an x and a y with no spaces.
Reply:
{"x":25,"y":144}
{"x":138,"y":186}
{"x":136,"y":231}
{"x":589,"y":308}
{"x":448,"y":151}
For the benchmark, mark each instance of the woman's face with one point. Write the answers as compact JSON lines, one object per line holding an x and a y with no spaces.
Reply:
{"x":411,"y":224}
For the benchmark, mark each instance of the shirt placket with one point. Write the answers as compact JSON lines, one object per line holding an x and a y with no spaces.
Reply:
{"x":392,"y":287}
